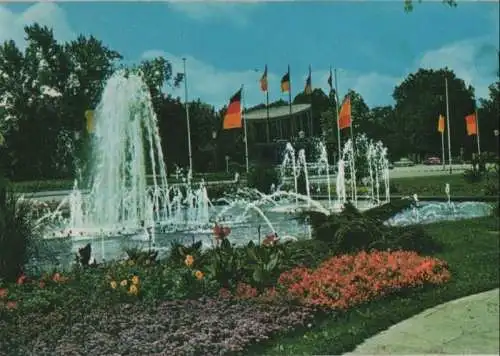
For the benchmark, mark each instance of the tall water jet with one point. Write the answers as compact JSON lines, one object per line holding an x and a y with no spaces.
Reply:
{"x":323,"y":162}
{"x":289,"y":158}
{"x":303,"y":162}
{"x":125,"y":135}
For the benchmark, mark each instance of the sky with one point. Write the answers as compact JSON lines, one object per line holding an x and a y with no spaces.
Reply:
{"x":374,"y":44}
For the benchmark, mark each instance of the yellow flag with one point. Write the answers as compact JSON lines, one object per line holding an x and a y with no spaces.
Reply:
{"x":89,"y":116}
{"x":441,"y":124}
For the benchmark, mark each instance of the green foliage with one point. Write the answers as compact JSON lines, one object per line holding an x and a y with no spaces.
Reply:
{"x":178,"y":253}
{"x":225,"y":265}
{"x":142,"y":257}
{"x":261,"y":177}
{"x":264,"y":264}
{"x":473,"y":176}
{"x":352,"y":231}
{"x":18,"y":233}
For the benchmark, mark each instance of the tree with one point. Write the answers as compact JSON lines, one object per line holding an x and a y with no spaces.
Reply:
{"x":488,"y":118}
{"x":420,"y":99}
{"x":409,"y":4}
{"x":320,"y":103}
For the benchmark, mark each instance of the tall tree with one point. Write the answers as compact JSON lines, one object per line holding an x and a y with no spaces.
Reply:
{"x":420,"y":99}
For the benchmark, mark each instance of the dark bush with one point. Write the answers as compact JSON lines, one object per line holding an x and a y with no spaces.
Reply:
{"x":473,"y":175}
{"x":18,"y":233}
{"x":261,"y":177}
{"x":352,"y":231}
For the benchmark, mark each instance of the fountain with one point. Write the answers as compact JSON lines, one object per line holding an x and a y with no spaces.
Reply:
{"x":127,"y":147}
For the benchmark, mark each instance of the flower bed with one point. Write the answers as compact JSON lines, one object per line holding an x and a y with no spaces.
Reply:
{"x":345,"y":281}
{"x":187,"y":327}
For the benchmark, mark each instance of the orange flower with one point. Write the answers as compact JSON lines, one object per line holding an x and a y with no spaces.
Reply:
{"x":347,"y":280}
{"x":189,"y":260}
{"x":133,"y":289}
{"x":135,"y":280}
{"x":3,"y":292}
{"x":199,"y":275}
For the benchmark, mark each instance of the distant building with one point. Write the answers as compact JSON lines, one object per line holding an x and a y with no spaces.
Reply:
{"x":283,"y":127}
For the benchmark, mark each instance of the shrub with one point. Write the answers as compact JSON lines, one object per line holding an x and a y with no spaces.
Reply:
{"x":18,"y":233}
{"x":353,"y":231}
{"x":261,"y":177}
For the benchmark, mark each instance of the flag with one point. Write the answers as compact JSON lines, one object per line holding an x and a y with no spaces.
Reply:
{"x":89,"y":119}
{"x":232,"y":119}
{"x":345,"y":114}
{"x":471,"y":124}
{"x":263,"y":81}
{"x":330,"y":80}
{"x":308,"y":87}
{"x":441,"y":124}
{"x":285,"y":82}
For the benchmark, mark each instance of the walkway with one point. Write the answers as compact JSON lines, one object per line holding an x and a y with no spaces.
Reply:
{"x":468,"y":325}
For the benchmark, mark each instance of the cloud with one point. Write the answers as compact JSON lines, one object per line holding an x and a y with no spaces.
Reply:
{"x":204,"y":11}
{"x":45,"y":13}
{"x":475,"y":61}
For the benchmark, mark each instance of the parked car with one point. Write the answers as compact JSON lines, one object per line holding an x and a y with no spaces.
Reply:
{"x":404,"y":162}
{"x":432,"y":161}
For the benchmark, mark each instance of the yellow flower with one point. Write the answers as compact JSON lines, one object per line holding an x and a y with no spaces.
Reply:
{"x":113,"y":284}
{"x":135,"y":280}
{"x":124,"y":283}
{"x":131,"y":262}
{"x":189,"y":260}
{"x":199,"y":275}
{"x":133,"y":289}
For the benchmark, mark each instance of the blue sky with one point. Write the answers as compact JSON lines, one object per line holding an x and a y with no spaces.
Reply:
{"x":375,"y":44}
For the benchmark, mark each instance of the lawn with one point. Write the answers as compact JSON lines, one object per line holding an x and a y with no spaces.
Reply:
{"x":434,"y":186}
{"x":66,"y":184}
{"x":471,"y":248}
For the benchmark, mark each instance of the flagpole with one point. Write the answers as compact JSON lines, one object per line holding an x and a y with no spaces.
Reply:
{"x":245,"y":128}
{"x":477,"y":132}
{"x":442,"y":150}
{"x":337,"y":111}
{"x":267,"y":113}
{"x":290,"y":100}
{"x":186,"y":103}
{"x":448,"y":124}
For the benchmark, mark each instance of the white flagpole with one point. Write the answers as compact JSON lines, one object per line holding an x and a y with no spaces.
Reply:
{"x":186,"y":103}
{"x":442,"y":151}
{"x":477,"y":133}
{"x":337,"y":109}
{"x":245,"y":128}
{"x":448,"y":124}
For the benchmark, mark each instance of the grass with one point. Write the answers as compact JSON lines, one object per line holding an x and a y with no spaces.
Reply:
{"x":435,"y":185}
{"x":66,"y":184}
{"x":472,"y":252}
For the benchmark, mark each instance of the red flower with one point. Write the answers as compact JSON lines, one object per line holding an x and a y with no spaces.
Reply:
{"x":225,"y":293}
{"x":11,"y":304}
{"x":3,"y":292}
{"x":221,"y":232}
{"x":344,"y":281}
{"x":41,"y":284}
{"x":21,"y":279}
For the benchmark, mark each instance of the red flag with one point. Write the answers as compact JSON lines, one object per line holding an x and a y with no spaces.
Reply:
{"x":441,"y":124}
{"x":232,"y":119}
{"x":471,"y":124}
{"x":345,"y":114}
{"x":263,"y":81}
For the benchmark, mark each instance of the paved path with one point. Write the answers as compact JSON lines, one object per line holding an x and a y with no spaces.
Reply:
{"x":468,"y":325}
